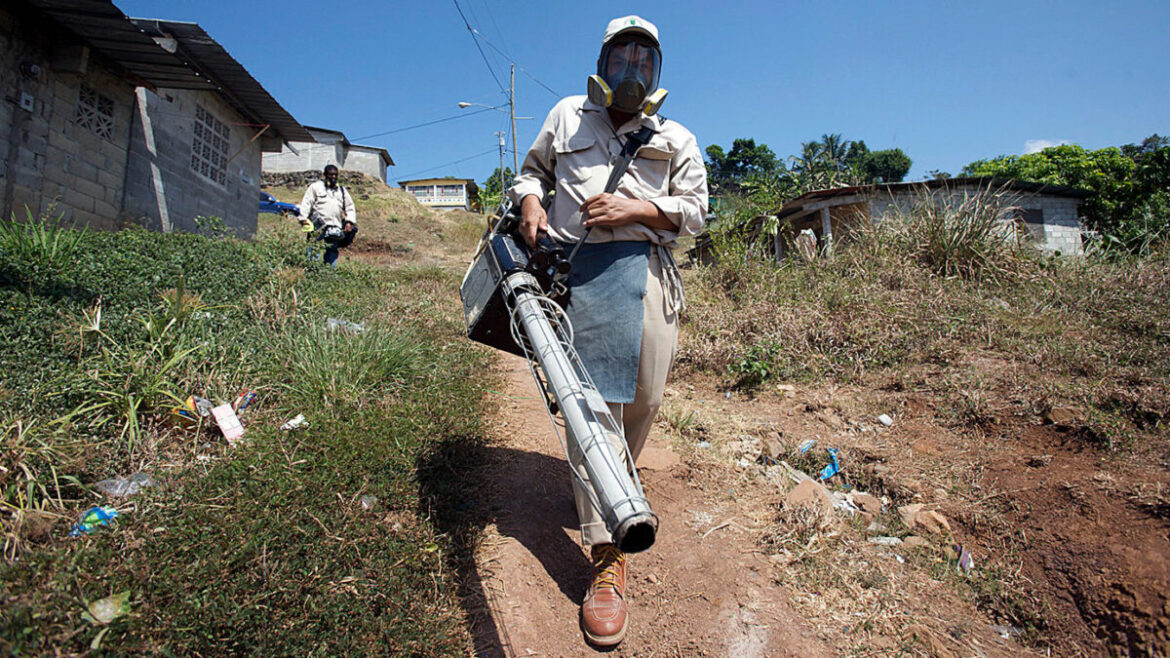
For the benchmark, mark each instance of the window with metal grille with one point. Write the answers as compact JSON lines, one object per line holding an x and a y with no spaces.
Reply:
{"x":209,"y":149}
{"x":96,"y":112}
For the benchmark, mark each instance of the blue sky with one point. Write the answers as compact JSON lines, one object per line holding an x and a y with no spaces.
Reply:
{"x":947,"y":83}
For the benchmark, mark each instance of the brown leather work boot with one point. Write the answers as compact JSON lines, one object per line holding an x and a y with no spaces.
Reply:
{"x":603,"y":614}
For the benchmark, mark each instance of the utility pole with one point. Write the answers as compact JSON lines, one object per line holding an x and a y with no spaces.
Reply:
{"x":512,"y":112}
{"x":500,"y":134}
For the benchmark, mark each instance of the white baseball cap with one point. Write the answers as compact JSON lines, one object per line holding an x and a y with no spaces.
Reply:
{"x":630,"y":24}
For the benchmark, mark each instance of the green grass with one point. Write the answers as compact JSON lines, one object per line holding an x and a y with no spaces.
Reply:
{"x":263,"y":548}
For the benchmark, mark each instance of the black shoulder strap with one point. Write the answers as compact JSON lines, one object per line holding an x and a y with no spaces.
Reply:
{"x":634,"y":141}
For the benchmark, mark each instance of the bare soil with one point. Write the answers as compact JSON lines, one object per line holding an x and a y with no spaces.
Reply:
{"x":1071,"y":542}
{"x":703,"y":589}
{"x":1072,"y":552}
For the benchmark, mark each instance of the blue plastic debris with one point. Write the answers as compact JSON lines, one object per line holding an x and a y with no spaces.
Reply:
{"x":93,"y":518}
{"x":833,"y":468}
{"x":804,"y":447}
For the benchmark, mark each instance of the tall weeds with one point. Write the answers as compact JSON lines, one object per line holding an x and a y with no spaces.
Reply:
{"x":968,"y":234}
{"x":42,"y":245}
{"x":340,"y":369}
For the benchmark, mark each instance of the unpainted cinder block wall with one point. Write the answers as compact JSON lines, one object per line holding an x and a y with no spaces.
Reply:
{"x":50,"y":163}
{"x":163,"y":191}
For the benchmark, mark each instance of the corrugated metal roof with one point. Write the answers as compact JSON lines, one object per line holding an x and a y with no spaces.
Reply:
{"x":235,"y":84}
{"x":198,"y":62}
{"x":108,"y":32}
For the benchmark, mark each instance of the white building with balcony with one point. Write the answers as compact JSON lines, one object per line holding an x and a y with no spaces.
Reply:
{"x":443,"y":193}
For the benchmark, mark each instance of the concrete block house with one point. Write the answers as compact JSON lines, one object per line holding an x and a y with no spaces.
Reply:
{"x":110,"y":121}
{"x":330,"y":147}
{"x":1048,"y":213}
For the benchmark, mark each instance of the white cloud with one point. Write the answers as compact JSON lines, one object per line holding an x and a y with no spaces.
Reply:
{"x":1037,"y":145}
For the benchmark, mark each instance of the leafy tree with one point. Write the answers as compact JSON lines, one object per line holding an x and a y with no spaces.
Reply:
{"x":888,"y":166}
{"x":856,"y":155}
{"x":1151,"y":193}
{"x":1107,"y":173}
{"x":746,"y":160}
{"x":1149,"y":145}
{"x":491,"y":191}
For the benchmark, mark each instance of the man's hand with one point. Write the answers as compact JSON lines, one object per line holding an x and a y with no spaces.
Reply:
{"x":611,"y":211}
{"x":533,"y":218}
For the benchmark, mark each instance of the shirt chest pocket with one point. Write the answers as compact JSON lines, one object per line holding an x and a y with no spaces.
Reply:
{"x":651,"y":168}
{"x":580,"y":158}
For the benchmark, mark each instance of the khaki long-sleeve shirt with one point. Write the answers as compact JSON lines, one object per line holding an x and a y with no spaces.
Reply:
{"x":335,"y":206}
{"x":574,"y":154}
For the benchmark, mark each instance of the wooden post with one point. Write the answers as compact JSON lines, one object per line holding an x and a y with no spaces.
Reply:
{"x":826,"y":231}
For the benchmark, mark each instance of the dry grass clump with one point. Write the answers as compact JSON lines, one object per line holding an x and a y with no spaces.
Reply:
{"x":945,"y":286}
{"x":973,"y":235}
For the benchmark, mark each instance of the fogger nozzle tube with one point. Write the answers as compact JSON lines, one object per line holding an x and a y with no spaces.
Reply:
{"x":588,"y":422}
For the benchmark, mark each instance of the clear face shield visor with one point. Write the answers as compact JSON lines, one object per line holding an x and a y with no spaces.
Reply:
{"x":631,"y":63}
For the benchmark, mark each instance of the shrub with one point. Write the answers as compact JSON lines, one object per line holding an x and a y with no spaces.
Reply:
{"x":35,"y":248}
{"x":968,"y":235}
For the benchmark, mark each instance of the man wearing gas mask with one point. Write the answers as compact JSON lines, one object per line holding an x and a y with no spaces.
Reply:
{"x":328,"y":208}
{"x":625,"y":292}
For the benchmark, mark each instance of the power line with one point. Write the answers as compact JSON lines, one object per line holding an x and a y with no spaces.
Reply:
{"x":423,"y":125}
{"x":448,"y":164}
{"x":495,"y":25}
{"x":525,"y":72}
{"x":398,"y":130}
{"x":477,"y":46}
{"x":511,"y":61}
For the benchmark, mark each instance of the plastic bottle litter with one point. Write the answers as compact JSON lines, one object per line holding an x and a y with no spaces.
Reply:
{"x":92,"y":518}
{"x":121,"y":487}
{"x":337,"y":324}
{"x":885,"y":420}
{"x":295,"y":423}
{"x":369,"y":502}
{"x":832,"y":469}
{"x":104,"y":611}
{"x":804,"y":447}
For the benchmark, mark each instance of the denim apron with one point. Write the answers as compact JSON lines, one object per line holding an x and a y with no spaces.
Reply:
{"x":607,"y":284}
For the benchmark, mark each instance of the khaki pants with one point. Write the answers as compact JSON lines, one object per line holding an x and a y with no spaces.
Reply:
{"x":659,"y":344}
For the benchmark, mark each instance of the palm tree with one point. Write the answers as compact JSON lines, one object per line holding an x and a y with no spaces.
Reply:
{"x":808,"y":167}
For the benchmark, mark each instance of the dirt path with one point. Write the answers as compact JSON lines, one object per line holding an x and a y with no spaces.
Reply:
{"x":703,"y":589}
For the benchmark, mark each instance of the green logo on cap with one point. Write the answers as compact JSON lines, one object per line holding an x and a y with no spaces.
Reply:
{"x":633,"y":21}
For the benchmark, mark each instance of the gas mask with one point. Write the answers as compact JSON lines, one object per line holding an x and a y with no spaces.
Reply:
{"x":627,"y":78}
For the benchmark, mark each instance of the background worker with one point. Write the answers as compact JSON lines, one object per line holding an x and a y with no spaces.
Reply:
{"x":625,"y":290}
{"x":329,"y":207}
